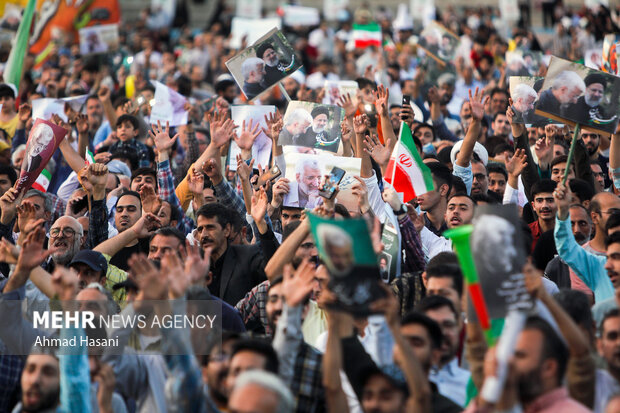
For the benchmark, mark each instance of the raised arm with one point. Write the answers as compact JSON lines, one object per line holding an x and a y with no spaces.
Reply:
{"x":284,"y":254}
{"x":465,"y":155}
{"x":144,"y":227}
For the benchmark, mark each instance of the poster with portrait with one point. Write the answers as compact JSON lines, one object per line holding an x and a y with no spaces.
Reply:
{"x":390,"y":257}
{"x":263,"y":64}
{"x":334,"y":89}
{"x":305,"y":167}
{"x":609,"y":57}
{"x":98,"y":39}
{"x":499,"y":254}
{"x":521,"y":62}
{"x":572,"y":93}
{"x":439,"y":43}
{"x":312,"y":125}
{"x":44,"y":108}
{"x":346,"y":249}
{"x":261,"y":150}
{"x":525,"y":91}
{"x":593,"y":58}
{"x":42,"y":142}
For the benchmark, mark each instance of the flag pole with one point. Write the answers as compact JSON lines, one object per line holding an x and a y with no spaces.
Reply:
{"x":571,"y":153}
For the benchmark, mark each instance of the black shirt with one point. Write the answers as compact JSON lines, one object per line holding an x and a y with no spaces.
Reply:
{"x":121,"y":258}
{"x":216,"y":271}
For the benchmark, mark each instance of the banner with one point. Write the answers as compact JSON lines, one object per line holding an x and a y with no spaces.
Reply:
{"x":98,"y":39}
{"x":58,"y":22}
{"x":250,"y":29}
{"x":169,"y":106}
{"x":44,"y":108}
{"x":300,"y":16}
{"x":42,"y":142}
{"x":333,"y":8}
{"x":261,"y":149}
{"x":251,"y":9}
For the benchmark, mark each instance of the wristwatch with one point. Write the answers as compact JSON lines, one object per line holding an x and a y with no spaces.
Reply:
{"x":401,"y":211}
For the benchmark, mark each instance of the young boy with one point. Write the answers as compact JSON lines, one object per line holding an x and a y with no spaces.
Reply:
{"x":127,"y":129}
{"x":8,"y":115}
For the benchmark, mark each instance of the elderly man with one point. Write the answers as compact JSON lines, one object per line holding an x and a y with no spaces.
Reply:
{"x":253,"y":72}
{"x":304,"y":192}
{"x":523,"y":98}
{"x":295,"y":125}
{"x":262,"y":392}
{"x":42,"y":135}
{"x":588,"y":108}
{"x":564,"y":91}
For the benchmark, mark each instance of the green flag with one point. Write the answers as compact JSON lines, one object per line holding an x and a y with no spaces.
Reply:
{"x":15,"y":63}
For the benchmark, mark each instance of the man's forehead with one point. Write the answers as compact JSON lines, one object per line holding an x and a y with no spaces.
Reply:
{"x":161,"y":239}
{"x":144,"y":176}
{"x":611,"y":323}
{"x":65,"y":221}
{"x":461,"y":201}
{"x":496,"y":175}
{"x":127,"y":200}
{"x":42,"y":360}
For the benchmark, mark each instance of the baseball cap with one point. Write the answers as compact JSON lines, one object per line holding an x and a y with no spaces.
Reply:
{"x":95,"y":260}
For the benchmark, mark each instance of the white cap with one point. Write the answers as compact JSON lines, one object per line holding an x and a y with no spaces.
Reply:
{"x":478,"y":150}
{"x":299,"y":77}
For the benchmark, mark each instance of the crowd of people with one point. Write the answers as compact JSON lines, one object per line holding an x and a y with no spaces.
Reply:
{"x":135,"y":212}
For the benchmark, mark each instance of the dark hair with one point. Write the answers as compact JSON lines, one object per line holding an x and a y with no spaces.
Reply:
{"x":577,"y":306}
{"x":496,"y":90}
{"x":119,"y":101}
{"x":420,"y":126}
{"x":91,"y":65}
{"x":441,"y":174}
{"x":215,"y":210}
{"x":500,"y":113}
{"x":222,"y":85}
{"x":613,"y":313}
{"x":502,"y":147}
{"x":144,"y":171}
{"x":92,"y":97}
{"x":289,"y":229}
{"x":553,"y":346}
{"x":261,"y":347}
{"x":612,"y":238}
{"x":559,"y":159}
{"x":342,"y":210}
{"x":498,"y":169}
{"x":9,"y":171}
{"x":170,"y":232}
{"x":128,"y":192}
{"x":458,"y":186}
{"x":612,"y":222}
{"x":277,"y":280}
{"x":431,"y":326}
{"x":582,"y":189}
{"x":149,"y":87}
{"x":184,"y":85}
{"x":128,"y":118}
{"x":6,"y":90}
{"x":488,"y":58}
{"x":462,"y":194}
{"x":435,"y":302}
{"x":544,"y":185}
{"x":485,"y":198}
{"x":446,"y":265}
{"x":362,"y":82}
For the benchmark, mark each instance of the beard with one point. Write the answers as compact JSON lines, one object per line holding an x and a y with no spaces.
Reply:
{"x":272,"y":63}
{"x":65,"y":258}
{"x":529,"y":385}
{"x":317,"y":129}
{"x":592,"y":102}
{"x":581,"y":238}
{"x":47,"y":400}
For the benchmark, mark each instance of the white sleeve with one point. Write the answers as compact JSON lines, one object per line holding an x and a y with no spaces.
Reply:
{"x":68,"y":187}
{"x":511,"y":195}
{"x":433,"y":244}
{"x":377,"y":204}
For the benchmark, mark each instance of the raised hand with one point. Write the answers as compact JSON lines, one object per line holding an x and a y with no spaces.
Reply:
{"x":32,"y":253}
{"x":533,"y":281}
{"x":360,"y":190}
{"x":563,"y":198}
{"x":477,"y":104}
{"x":8,"y":252}
{"x":104,"y":377}
{"x":25,"y":113}
{"x":212,"y":168}
{"x":274,"y":126}
{"x":360,"y":124}
{"x":146,"y":225}
{"x":259,"y":205}
{"x":388,"y":306}
{"x":381,"y":100}
{"x":243,"y":169}
{"x":349,"y":106}
{"x":65,"y":284}
{"x":248,"y":135}
{"x":221,"y":131}
{"x":517,"y":163}
{"x":433,"y":95}
{"x":26,"y":218}
{"x":196,"y":182}
{"x":81,"y":123}
{"x":103,"y":93}
{"x":391,"y":197}
{"x":153,"y":285}
{"x":150,"y":201}
{"x":297,"y":286}
{"x":178,"y":280}
{"x":379,"y":152}
{"x":544,"y":150}
{"x":196,"y":266}
{"x":347,"y":132}
{"x":8,"y":205}
{"x":57,"y":120}
{"x":280,"y":188}
{"x":161,"y":137}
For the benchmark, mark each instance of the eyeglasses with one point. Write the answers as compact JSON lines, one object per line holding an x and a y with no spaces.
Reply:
{"x":67,"y":232}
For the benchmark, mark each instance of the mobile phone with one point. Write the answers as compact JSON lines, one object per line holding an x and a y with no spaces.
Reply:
{"x":270,"y":175}
{"x":406,"y":100}
{"x":329,"y":189}
{"x":79,"y":205}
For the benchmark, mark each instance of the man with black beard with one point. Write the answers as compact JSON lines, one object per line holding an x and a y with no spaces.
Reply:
{"x":592,"y":139}
{"x":588,"y":109}
{"x":316,"y":136}
{"x":275,"y":69}
{"x":540,"y":360}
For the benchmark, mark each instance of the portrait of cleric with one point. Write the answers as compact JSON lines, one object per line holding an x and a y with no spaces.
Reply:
{"x":312,"y":125}
{"x":581,"y":95}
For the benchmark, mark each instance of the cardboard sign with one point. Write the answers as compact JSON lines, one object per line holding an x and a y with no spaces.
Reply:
{"x":312,"y":125}
{"x":44,"y":108}
{"x":300,"y":16}
{"x":250,"y":9}
{"x":346,"y":248}
{"x":261,"y":150}
{"x":439,"y":43}
{"x":250,"y":29}
{"x":98,"y":39}
{"x":573,"y":93}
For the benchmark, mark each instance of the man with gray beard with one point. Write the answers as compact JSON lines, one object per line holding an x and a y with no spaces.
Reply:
{"x":588,"y":107}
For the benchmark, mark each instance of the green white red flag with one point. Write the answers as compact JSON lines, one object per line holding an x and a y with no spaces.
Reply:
{"x":406,"y":172}
{"x":365,"y":35}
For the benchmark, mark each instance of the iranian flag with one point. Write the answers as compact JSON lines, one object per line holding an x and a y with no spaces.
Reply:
{"x":43,"y":181}
{"x":406,"y":172}
{"x":366,"y":35}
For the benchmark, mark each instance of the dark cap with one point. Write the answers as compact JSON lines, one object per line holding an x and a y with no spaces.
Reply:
{"x":260,"y":50}
{"x":319,"y":110}
{"x":595,"y":78}
{"x":95,"y":260}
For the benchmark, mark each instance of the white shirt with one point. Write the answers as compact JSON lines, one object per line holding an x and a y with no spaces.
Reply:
{"x":451,"y":381}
